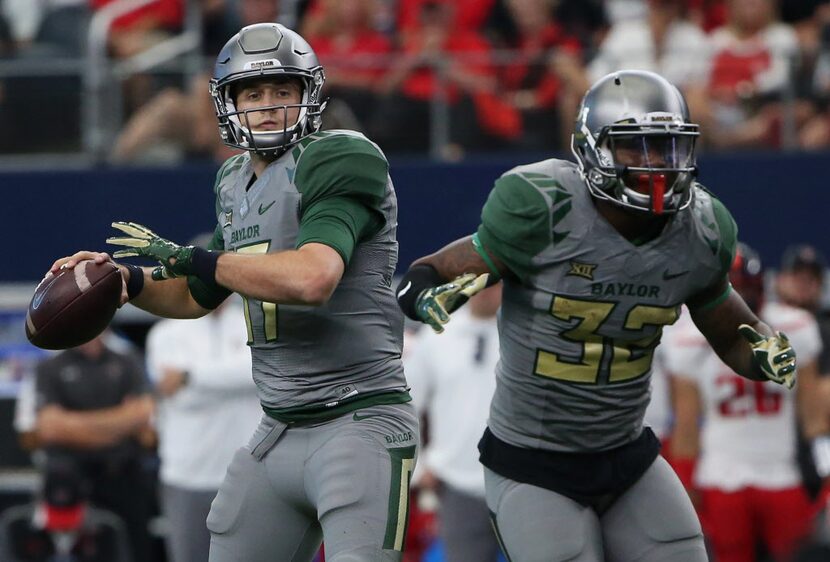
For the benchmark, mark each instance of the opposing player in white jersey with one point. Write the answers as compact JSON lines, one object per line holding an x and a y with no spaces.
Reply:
{"x":741,"y":462}
{"x":305,"y":231}
{"x":596,"y":256}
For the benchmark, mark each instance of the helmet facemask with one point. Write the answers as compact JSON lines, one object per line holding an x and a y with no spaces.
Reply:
{"x":267,"y":51}
{"x":634,"y":143}
{"x":234,"y":125}
{"x":645,"y":168}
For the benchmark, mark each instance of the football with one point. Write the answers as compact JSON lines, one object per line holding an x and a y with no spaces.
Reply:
{"x":74,"y":306}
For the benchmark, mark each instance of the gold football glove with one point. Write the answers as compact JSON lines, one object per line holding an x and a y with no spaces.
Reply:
{"x":435,"y":305}
{"x":773,"y":354}
{"x":174,"y":260}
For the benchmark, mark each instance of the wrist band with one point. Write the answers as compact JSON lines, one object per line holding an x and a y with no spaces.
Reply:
{"x":204,"y":264}
{"x":414,"y":282}
{"x":136,"y":282}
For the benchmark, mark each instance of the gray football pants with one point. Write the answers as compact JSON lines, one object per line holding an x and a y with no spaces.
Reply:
{"x":653,"y":521}
{"x":345,"y":481}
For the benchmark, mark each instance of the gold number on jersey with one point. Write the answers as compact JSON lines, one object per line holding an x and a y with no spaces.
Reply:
{"x":633,"y":360}
{"x":590,"y":316}
{"x":625,"y":361}
{"x":269,"y":309}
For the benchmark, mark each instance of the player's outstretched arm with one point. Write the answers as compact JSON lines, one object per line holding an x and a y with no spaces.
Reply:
{"x":307,"y":275}
{"x":750,"y":347}
{"x":460,"y":257}
{"x":170,"y":299}
{"x":438,"y":284}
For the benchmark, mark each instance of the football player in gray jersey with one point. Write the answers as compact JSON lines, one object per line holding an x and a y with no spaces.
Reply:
{"x":306,"y":224}
{"x":596,"y":257}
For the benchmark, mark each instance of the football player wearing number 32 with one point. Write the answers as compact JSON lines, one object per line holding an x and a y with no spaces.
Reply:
{"x":596,"y":258}
{"x":306,"y":234}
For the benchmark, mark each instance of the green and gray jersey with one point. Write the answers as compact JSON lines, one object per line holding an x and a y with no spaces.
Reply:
{"x":580,"y":322}
{"x":332,"y":188}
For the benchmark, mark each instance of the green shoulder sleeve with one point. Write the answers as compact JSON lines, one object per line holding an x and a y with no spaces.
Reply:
{"x":728,"y":235}
{"x":342,"y":180}
{"x":338,"y":222}
{"x":515,"y":223}
{"x":341,"y":165}
{"x":726,"y":245}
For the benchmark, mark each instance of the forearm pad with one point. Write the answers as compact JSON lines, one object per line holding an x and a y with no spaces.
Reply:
{"x":203,"y":263}
{"x":415,"y":281}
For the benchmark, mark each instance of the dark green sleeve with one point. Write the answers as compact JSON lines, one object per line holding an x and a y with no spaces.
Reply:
{"x":515,"y":223}
{"x":342,"y":180}
{"x":342,"y":165}
{"x":339,"y":222}
{"x":727,"y":243}
{"x":728,"y":235}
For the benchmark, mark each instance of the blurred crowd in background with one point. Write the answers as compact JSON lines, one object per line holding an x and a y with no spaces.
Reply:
{"x":443,"y":76}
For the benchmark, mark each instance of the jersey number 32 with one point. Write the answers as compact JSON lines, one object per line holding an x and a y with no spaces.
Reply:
{"x":603,"y":359}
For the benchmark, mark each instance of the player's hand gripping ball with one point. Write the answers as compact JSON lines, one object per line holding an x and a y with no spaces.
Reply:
{"x":774,"y":355}
{"x":73,"y":306}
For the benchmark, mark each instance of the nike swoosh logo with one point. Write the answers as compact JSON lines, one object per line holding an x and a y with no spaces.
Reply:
{"x":403,"y":291}
{"x":667,"y":276}
{"x":263,"y":210}
{"x":358,"y":417}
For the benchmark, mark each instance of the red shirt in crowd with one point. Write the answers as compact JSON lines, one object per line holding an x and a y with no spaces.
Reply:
{"x":472,"y":53}
{"x":161,"y":13}
{"x":530,"y":69}
{"x":468,"y":14}
{"x":353,"y":54}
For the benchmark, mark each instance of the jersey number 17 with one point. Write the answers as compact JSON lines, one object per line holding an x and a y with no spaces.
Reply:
{"x":268,"y":310}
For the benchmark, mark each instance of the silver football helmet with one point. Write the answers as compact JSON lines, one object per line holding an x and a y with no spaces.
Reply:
{"x":263,"y":50}
{"x":635,"y":144}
